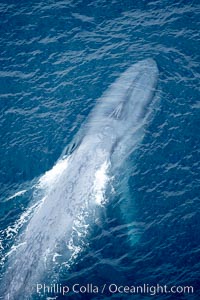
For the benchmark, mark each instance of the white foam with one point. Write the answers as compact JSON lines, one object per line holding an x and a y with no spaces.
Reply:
{"x":101,"y":179}
{"x":52,"y":176}
{"x":23,"y":219}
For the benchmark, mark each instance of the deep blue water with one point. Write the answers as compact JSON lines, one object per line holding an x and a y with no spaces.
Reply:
{"x":57,"y":58}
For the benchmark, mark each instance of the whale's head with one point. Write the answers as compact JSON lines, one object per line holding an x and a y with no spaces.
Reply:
{"x":125,"y":105}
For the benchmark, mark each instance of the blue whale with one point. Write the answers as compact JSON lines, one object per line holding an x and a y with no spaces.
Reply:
{"x":76,"y":184}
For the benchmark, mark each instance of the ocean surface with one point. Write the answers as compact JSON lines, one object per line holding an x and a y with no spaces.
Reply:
{"x":57,"y":59}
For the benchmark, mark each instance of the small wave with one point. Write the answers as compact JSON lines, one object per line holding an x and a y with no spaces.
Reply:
{"x":17,"y":194}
